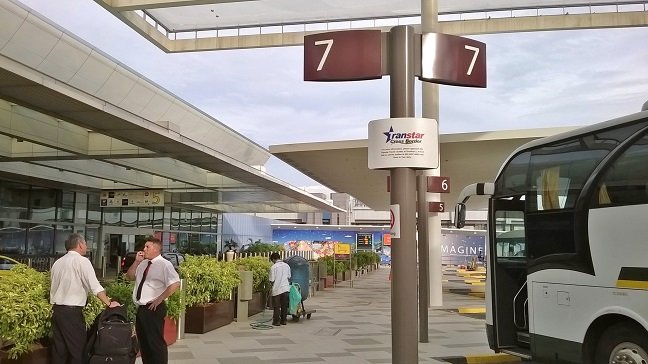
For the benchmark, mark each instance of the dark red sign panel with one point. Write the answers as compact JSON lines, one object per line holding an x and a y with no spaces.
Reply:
{"x":452,"y":60}
{"x":437,"y":184}
{"x":436,"y":207}
{"x":348,"y":55}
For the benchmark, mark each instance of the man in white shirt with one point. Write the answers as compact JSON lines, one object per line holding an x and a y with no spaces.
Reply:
{"x":73,"y":278}
{"x":155,"y":280}
{"x":279,"y":276}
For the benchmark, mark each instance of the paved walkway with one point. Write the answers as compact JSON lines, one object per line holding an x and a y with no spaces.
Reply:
{"x":351,"y":325}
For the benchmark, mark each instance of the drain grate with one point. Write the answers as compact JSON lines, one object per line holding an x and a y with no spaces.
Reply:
{"x":327,"y":331}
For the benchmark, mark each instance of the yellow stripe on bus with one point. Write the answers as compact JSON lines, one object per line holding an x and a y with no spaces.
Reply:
{"x":472,"y":310}
{"x":632,"y":284}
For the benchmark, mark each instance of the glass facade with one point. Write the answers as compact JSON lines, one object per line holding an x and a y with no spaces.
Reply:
{"x":36,"y":220}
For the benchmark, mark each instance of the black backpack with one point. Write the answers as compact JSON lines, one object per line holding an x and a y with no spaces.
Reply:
{"x":111,"y":338}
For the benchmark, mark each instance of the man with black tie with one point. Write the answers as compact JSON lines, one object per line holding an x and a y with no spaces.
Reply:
{"x":155,"y":280}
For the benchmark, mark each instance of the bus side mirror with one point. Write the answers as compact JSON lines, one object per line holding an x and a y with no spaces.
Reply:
{"x":460,"y":215}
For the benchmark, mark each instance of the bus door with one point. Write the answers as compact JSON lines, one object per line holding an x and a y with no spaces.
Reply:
{"x":508,"y":259}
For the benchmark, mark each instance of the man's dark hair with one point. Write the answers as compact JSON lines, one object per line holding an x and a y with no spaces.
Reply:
{"x":73,"y":241}
{"x":274,"y":256}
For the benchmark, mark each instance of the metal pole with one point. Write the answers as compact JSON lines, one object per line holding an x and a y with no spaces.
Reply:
{"x":181,"y":320}
{"x":103,"y":267}
{"x":404,"y":290}
{"x":423,"y":249}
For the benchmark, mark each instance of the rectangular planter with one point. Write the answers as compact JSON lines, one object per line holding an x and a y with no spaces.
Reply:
{"x":205,"y":318}
{"x":329,"y":282}
{"x":258,"y":303}
{"x":38,"y":355}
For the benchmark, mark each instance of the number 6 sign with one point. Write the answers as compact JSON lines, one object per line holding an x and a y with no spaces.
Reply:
{"x":348,"y":55}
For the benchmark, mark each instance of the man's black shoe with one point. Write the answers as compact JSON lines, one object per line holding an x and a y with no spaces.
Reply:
{"x":275,"y":324}
{"x":284,"y":323}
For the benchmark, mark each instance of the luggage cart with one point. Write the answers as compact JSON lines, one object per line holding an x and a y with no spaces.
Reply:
{"x":300,"y":275}
{"x":301,"y":310}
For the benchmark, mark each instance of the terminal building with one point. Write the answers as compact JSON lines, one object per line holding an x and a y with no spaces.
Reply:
{"x":88,"y":145}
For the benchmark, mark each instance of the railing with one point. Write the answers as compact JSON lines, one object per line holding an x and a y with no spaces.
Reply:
{"x":308,"y":255}
{"x":41,"y":263}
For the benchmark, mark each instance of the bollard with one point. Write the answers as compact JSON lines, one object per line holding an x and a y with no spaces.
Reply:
{"x":244,"y":296}
{"x":181,"y":320}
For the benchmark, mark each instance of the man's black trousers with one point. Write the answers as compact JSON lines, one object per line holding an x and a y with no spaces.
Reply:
{"x":280,"y":306}
{"x":150,"y":334}
{"x":68,"y":334}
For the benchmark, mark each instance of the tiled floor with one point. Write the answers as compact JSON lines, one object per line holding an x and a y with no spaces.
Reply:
{"x":351,"y":325}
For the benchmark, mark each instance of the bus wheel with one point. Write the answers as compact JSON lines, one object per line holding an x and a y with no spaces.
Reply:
{"x":623,"y":344}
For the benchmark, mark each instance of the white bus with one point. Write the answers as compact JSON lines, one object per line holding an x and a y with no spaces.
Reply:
{"x":567,"y":246}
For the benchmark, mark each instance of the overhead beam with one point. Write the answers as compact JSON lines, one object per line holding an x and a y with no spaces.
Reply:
{"x":456,"y":27}
{"x":33,"y":135}
{"x":122,"y":5}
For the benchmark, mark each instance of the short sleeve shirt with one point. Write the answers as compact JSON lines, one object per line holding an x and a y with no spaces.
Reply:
{"x":279,"y":276}
{"x":160,"y":276}
{"x":73,"y":278}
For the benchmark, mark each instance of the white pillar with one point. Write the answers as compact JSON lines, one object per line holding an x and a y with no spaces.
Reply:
{"x":430,"y":103}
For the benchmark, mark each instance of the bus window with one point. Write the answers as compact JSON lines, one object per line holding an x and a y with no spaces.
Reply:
{"x":510,"y":234}
{"x":626,"y":181}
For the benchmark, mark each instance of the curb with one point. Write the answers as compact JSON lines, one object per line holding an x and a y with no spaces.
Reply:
{"x":477,"y":359}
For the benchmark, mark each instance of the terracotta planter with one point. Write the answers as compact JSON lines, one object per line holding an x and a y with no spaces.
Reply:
{"x":328,"y":282}
{"x":205,"y":318}
{"x":38,"y":355}
{"x":170,"y":331}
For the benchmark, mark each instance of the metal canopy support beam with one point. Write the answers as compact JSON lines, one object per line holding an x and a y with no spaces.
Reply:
{"x":152,"y":4}
{"x":404,"y":280}
{"x":459,"y":27}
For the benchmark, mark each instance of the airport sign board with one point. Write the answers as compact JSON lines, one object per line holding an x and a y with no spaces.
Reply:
{"x":349,"y":55}
{"x":132,"y":198}
{"x":452,"y":60}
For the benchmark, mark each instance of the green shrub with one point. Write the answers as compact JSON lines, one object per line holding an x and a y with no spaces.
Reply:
{"x":25,"y":310}
{"x":122,"y":292}
{"x":260,"y":267}
{"x":207,"y":280}
{"x":259,"y":247}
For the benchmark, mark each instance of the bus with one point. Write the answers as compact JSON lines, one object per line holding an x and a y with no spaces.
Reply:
{"x":567,"y":247}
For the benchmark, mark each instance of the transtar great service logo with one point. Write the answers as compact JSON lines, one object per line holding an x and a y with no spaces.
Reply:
{"x":403,"y":138}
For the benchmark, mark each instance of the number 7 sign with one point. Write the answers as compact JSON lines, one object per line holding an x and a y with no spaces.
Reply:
{"x":452,"y":60}
{"x":348,"y":55}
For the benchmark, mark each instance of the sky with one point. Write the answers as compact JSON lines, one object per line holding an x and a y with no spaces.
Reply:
{"x":538,"y":79}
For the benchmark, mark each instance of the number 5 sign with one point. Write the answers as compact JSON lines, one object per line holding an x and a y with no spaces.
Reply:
{"x":348,"y":55}
{"x":452,"y":60}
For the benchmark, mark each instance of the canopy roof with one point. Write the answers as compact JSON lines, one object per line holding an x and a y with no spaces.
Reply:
{"x":190,"y":25}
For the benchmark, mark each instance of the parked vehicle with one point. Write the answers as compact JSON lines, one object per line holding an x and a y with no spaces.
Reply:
{"x":6,"y":264}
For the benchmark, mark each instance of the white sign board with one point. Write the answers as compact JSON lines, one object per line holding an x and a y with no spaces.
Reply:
{"x":394,"y":221}
{"x":403,"y":142}
{"x":132,"y":198}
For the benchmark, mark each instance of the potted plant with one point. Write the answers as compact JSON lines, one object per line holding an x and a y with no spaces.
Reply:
{"x":231,"y":246}
{"x":260,"y":268}
{"x":209,"y":284}
{"x":330,"y":271}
